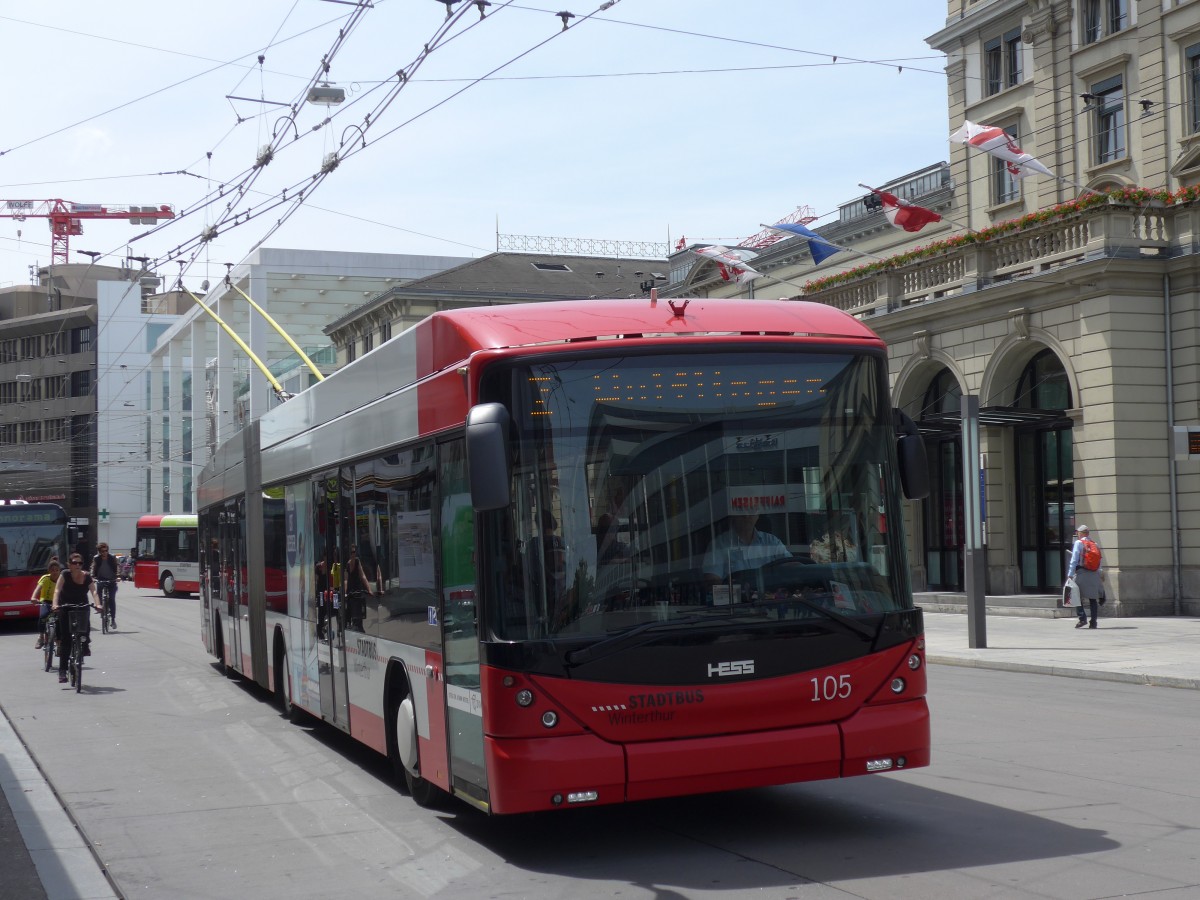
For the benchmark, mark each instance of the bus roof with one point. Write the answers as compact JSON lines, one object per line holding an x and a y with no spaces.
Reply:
{"x":168,"y":521}
{"x":446,"y":340}
{"x":453,"y":335}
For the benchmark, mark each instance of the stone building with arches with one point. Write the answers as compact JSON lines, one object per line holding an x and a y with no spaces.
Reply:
{"x":1070,"y":306}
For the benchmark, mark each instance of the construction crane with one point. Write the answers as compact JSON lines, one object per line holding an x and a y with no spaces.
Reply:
{"x":765,"y":238}
{"x":66,"y":218}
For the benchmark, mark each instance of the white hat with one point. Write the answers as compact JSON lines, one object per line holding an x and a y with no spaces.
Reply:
{"x":1082,"y":528}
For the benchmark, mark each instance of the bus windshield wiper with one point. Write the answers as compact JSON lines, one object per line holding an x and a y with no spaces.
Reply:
{"x":629,"y":638}
{"x":854,"y":625}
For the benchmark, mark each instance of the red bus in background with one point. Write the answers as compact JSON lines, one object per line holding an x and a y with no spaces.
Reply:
{"x":168,"y":554}
{"x":515,"y":563}
{"x":30,"y":533}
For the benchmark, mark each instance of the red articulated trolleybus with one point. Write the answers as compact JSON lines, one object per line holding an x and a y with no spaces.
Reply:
{"x":30,"y":534}
{"x":557,"y":554}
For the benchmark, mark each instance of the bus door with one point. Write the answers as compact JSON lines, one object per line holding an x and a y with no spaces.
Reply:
{"x":328,"y":513}
{"x":460,"y":625}
{"x":231,"y":588}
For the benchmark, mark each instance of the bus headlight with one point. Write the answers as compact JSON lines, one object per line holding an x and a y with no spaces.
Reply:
{"x":549,"y":718}
{"x":898,"y":685}
{"x":524,"y":697}
{"x":914,"y":662}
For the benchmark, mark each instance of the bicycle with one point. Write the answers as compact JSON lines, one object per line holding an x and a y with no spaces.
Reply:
{"x":79,"y":626}
{"x":104,"y":589}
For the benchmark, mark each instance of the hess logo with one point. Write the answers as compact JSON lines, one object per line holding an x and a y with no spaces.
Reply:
{"x":733,"y":667}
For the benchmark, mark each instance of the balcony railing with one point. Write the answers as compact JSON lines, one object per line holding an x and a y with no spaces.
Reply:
{"x":968,"y":263}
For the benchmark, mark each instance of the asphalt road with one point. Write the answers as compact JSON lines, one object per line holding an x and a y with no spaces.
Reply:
{"x":191,"y":785}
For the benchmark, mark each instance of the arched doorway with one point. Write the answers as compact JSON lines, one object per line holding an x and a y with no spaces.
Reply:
{"x":943,"y":514}
{"x":1045,"y":475}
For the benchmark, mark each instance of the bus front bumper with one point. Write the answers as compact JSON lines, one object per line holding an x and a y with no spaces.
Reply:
{"x":583,"y":770}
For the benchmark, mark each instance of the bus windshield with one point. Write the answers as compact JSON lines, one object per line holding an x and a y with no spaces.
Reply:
{"x":692,"y":487}
{"x":29,"y":537}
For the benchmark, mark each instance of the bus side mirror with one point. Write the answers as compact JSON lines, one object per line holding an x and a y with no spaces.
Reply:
{"x":489,"y":463}
{"x":910,"y":453}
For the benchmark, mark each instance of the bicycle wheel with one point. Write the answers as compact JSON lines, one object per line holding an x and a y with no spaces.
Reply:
{"x":49,"y":651}
{"x":104,"y":612}
{"x":72,"y":660}
{"x":77,"y":674}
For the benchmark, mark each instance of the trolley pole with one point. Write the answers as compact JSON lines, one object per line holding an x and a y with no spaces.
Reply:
{"x":974,"y":562}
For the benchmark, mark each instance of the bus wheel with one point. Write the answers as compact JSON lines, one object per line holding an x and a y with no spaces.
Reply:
{"x":167,"y":583}
{"x":219,"y":646}
{"x":406,"y":758}
{"x":283,"y":685}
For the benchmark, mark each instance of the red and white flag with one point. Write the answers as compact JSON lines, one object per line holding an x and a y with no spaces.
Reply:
{"x":999,"y":143}
{"x":730,"y":263}
{"x":903,"y":214}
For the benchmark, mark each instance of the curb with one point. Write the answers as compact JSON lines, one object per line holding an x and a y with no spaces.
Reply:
{"x":1143,"y":678}
{"x":66,"y":862}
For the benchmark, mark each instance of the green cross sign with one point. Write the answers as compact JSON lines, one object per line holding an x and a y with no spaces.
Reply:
{"x":104,"y":515}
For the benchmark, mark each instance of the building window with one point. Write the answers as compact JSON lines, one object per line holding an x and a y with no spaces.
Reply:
{"x":368,"y":340}
{"x":56,"y":429}
{"x":56,"y":343}
{"x":1103,"y":17}
{"x":349,"y":351}
{"x":1006,"y":187}
{"x":31,"y":347}
{"x":1002,"y":61}
{"x":1110,"y":120}
{"x":81,"y":339}
{"x":385,"y":331}
{"x":81,"y":383}
{"x":31,"y":432}
{"x":56,"y":386}
{"x":30,"y":390}
{"x":8,"y":392}
{"x":1192,"y":54}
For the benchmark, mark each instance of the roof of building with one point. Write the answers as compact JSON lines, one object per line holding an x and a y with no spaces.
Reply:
{"x":521,"y":277}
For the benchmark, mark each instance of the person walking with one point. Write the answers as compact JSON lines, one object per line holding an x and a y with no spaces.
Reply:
{"x":1086,"y":570}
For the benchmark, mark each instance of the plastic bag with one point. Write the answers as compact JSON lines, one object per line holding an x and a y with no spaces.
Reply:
{"x":1070,"y":593}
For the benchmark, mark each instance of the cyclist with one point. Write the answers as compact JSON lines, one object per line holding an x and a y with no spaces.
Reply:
{"x":44,"y":595}
{"x":104,"y":570}
{"x":74,"y":587}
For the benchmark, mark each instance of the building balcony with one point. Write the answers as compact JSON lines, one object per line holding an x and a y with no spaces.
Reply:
{"x":1031,"y":247}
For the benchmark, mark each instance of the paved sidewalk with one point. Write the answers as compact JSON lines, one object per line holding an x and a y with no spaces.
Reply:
{"x":1162,"y":651}
{"x":42,"y":853}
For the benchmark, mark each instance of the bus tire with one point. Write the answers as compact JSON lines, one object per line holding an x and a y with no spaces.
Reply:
{"x":403,"y":748}
{"x":219,"y":646}
{"x":283,"y":683}
{"x":167,"y":584}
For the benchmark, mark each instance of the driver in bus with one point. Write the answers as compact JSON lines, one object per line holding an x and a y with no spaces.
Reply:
{"x":742,"y":547}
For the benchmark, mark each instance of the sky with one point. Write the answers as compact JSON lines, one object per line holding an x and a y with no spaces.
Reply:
{"x":650,"y":120}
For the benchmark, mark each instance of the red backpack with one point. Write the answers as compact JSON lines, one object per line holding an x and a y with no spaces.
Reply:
{"x":1091,"y":555}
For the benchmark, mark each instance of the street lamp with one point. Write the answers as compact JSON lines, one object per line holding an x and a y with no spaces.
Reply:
{"x":326,"y":94}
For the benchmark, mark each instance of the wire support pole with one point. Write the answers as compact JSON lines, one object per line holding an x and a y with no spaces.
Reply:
{"x":279,"y":328}
{"x":275,"y":385}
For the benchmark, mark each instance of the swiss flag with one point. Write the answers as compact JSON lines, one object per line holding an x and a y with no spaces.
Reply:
{"x":903,"y":214}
